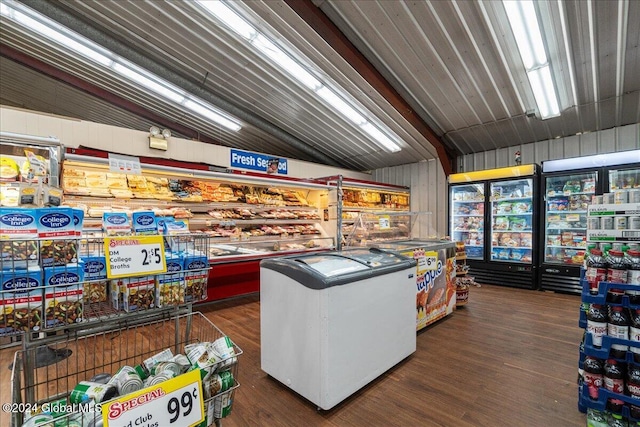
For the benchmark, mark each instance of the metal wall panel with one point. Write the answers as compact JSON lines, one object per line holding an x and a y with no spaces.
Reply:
{"x":618,"y":139}
{"x":428,"y":186}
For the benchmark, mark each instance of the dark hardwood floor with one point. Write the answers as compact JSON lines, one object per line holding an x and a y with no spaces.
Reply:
{"x":508,"y":358}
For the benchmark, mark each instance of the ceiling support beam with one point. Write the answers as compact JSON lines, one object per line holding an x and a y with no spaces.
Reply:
{"x":322,"y":25}
{"x":62,"y":16}
{"x":91,"y":89}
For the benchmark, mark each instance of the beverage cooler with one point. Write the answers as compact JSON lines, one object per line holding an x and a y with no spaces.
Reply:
{"x":494,"y":212}
{"x":568,"y":187}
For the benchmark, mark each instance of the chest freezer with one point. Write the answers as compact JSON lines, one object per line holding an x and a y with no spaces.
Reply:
{"x":331,"y":323}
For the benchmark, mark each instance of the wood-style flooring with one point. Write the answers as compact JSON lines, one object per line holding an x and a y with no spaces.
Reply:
{"x":508,"y":358}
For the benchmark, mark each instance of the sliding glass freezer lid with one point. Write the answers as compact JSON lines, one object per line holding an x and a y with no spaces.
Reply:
{"x":321,"y":271}
{"x":330,"y":266}
{"x":373,"y":257}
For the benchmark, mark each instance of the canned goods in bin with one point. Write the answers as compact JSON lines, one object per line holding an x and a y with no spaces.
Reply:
{"x":102,"y":378}
{"x":126,"y":380}
{"x":40,"y":420}
{"x":224,"y":347}
{"x":222,"y":405}
{"x":171,"y":367}
{"x":157,"y":379}
{"x":217,"y":383}
{"x":86,"y":390}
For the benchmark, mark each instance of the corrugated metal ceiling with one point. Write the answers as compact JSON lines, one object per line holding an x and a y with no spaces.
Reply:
{"x":454,"y":62}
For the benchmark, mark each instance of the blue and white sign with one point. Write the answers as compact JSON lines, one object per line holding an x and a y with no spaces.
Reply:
{"x":258,"y":162}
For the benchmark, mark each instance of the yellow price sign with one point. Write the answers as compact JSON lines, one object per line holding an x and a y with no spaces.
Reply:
{"x":176,"y":402}
{"x":134,"y":256}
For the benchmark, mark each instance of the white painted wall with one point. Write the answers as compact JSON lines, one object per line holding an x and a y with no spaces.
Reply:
{"x":74,"y":133}
{"x":607,"y":141}
{"x":428,"y":185}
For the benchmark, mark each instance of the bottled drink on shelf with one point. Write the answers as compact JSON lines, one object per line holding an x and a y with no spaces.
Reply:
{"x":633,"y":388}
{"x":614,"y":373}
{"x":633,"y":275}
{"x":616,"y":273}
{"x":596,"y":418}
{"x":618,"y":327}
{"x":597,"y":323}
{"x":617,"y":420}
{"x":596,"y":270}
{"x":634,"y":333}
{"x":593,"y":375}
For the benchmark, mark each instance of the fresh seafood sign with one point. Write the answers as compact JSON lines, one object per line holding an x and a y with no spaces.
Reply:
{"x":134,"y":256}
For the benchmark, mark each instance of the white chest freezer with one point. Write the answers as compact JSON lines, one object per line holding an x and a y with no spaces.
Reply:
{"x":331,"y":323}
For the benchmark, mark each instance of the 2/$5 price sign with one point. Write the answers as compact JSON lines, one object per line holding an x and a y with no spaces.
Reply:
{"x":134,"y":256}
{"x":176,"y":402}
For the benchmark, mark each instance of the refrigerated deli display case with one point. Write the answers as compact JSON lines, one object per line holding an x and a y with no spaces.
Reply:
{"x":29,"y":170}
{"x":247,"y":217}
{"x":569,"y":186}
{"x":494,"y":213}
{"x":348,"y":198}
{"x":332,"y":323}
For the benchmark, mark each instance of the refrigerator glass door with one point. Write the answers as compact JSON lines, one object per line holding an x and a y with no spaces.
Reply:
{"x":624,"y":179}
{"x":567,"y":199}
{"x":467,"y":218}
{"x":512,"y":221}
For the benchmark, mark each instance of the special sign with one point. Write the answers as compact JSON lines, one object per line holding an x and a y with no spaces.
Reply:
{"x":175,"y":402}
{"x":134,"y":256}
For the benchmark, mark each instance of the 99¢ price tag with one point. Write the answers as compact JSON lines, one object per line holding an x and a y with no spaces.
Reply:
{"x":134,"y":256}
{"x":431,"y":261}
{"x":177,"y":402}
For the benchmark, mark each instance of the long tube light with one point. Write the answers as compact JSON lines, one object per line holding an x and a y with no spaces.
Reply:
{"x":48,"y":28}
{"x":618,"y":158}
{"x":526,"y":30}
{"x":297,"y":70}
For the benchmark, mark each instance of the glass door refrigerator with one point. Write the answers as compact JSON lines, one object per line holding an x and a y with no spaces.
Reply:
{"x":502,"y":202}
{"x":568,"y":188}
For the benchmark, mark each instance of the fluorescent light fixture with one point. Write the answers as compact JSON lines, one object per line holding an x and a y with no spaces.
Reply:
{"x":285,"y":62}
{"x":204,"y":111}
{"x":296,"y":70}
{"x":148,"y":83}
{"x":380,"y":137}
{"x":230,"y":17}
{"x":53,"y":31}
{"x":595,"y":161}
{"x":526,"y":30}
{"x":336,"y":102}
{"x":542,"y":86}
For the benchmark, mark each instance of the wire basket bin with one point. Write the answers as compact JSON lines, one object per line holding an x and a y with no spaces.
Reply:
{"x":126,"y":361}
